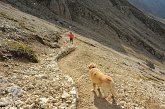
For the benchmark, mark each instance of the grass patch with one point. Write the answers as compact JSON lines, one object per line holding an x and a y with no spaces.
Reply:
{"x":20,"y":50}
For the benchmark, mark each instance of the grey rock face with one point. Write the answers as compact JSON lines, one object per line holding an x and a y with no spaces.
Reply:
{"x":108,"y":19}
{"x":60,"y":7}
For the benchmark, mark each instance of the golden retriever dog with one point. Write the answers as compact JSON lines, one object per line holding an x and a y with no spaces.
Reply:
{"x":104,"y":82}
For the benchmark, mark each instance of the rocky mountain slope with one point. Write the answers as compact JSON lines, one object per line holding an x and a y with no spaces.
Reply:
{"x":29,"y":75}
{"x":109,"y":22}
{"x":155,"y":7}
{"x":36,"y":56}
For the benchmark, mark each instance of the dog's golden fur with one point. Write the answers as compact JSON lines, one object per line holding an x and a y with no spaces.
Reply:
{"x":103,"y":82}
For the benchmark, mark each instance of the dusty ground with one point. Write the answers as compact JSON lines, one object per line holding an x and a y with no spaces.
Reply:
{"x":139,"y":87}
{"x":129,"y":75}
{"x":31,"y":85}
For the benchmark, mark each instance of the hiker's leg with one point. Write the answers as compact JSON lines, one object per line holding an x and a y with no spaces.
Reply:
{"x":72,"y":40}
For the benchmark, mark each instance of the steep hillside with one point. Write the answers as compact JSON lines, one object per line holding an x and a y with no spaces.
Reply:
{"x":155,"y":7}
{"x":29,"y":75}
{"x":110,"y":22}
{"x":137,"y":85}
{"x":40,"y":69}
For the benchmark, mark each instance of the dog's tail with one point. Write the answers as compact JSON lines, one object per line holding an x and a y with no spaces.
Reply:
{"x":80,"y":78}
{"x":109,"y":79}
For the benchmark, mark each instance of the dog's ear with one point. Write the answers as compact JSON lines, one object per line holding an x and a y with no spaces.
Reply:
{"x":92,"y":65}
{"x":89,"y":66}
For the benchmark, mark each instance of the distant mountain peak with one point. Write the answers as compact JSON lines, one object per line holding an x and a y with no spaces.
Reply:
{"x":155,"y":7}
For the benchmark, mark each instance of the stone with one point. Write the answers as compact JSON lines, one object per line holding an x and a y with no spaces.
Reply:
{"x":4,"y":102}
{"x":122,"y":103}
{"x":42,"y":76}
{"x":13,"y":108}
{"x":73,"y":91}
{"x":65,"y":95}
{"x":44,"y":100}
{"x":57,"y":103}
{"x":16,"y":91}
{"x":69,"y":101}
{"x":54,"y":45}
{"x":69,"y":79}
{"x":63,"y":106}
{"x":2,"y":80}
{"x":74,"y":100}
{"x":137,"y":108}
{"x":73,"y":106}
{"x":162,"y":106}
{"x":19,"y":103}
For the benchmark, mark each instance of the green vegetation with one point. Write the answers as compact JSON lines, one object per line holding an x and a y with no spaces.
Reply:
{"x":21,"y":51}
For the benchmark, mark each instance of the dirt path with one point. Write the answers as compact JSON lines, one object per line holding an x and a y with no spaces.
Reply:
{"x":71,"y":65}
{"x":75,"y":65}
{"x":128,"y":73}
{"x":139,"y":87}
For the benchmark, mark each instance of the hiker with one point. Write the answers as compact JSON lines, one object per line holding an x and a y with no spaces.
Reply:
{"x":71,"y":36}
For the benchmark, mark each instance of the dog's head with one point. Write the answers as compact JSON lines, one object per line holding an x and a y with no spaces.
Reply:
{"x":92,"y":65}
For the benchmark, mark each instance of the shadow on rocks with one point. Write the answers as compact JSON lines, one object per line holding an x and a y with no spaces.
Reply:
{"x":102,"y":103}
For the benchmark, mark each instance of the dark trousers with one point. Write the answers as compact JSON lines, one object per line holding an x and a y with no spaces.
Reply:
{"x":71,"y":40}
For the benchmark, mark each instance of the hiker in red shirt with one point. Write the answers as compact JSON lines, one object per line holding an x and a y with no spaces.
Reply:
{"x":71,"y":36}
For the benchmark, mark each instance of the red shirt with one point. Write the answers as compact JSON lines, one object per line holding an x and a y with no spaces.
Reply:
{"x":71,"y":35}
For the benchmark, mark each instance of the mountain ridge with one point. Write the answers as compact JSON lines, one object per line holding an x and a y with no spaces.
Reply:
{"x":105,"y":40}
{"x":104,"y":18}
{"x":155,"y":7}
